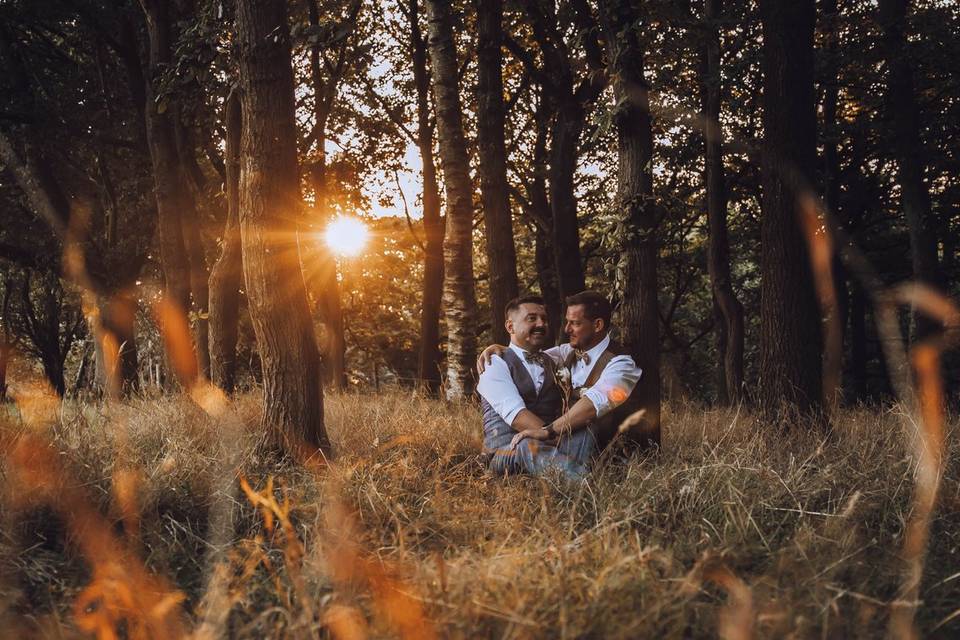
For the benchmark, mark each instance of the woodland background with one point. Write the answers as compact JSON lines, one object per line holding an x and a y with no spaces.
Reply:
{"x":766,"y":190}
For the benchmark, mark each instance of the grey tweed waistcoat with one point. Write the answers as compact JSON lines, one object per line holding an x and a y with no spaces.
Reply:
{"x":546,"y":404}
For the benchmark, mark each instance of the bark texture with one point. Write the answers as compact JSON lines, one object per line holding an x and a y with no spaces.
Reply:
{"x":501,"y":253}
{"x":459,"y":299}
{"x":907,"y":149}
{"x":171,"y":191}
{"x":639,"y":313}
{"x":226,"y":276}
{"x":728,"y":310}
{"x":428,"y":364}
{"x":790,"y":321}
{"x":270,"y":211}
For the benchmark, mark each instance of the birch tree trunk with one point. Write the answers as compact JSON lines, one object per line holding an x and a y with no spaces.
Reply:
{"x":459,"y":298}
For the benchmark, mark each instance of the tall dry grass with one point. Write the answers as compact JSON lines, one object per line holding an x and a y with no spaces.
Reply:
{"x":733,"y":529}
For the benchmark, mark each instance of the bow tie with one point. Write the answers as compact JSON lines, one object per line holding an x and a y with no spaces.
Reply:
{"x":535,"y":357}
{"x":581,"y":356}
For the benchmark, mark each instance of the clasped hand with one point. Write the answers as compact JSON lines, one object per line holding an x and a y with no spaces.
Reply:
{"x":540,"y":433}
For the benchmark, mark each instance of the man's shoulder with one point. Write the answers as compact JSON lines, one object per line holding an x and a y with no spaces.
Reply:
{"x":497,"y":367}
{"x":617,"y":349}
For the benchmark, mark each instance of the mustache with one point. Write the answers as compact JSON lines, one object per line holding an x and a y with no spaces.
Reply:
{"x":538,"y":332}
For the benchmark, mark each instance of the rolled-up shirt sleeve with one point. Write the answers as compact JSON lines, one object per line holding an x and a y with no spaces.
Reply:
{"x":497,"y":387}
{"x":615,"y":385}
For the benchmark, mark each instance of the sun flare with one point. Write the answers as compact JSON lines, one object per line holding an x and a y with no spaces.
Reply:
{"x":346,"y":236}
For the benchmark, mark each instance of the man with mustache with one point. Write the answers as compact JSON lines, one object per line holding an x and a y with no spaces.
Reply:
{"x":602,"y":376}
{"x":521,"y":395}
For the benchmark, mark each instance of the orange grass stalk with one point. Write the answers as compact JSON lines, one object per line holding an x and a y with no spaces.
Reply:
{"x":928,"y":443}
{"x":122,"y":592}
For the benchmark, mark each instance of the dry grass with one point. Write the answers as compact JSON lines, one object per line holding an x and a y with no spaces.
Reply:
{"x":732,"y":530}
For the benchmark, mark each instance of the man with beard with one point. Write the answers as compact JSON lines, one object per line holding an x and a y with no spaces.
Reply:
{"x":601,"y":376}
{"x":521,"y":395}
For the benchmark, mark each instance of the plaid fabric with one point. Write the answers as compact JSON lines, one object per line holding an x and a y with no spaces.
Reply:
{"x":569,"y":455}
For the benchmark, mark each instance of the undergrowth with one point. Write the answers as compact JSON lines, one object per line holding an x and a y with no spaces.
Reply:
{"x":732,"y":528}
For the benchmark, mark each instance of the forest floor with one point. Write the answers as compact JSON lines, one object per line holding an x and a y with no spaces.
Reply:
{"x":130,"y":517}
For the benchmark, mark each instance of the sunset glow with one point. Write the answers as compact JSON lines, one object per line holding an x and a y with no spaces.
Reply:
{"x":346,"y":236}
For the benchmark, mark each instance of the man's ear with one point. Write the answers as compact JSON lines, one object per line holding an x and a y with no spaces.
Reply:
{"x":598,"y":325}
{"x":509,"y":325}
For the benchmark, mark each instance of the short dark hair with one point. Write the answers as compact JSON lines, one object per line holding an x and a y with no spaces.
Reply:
{"x":514,"y":304}
{"x":595,"y":305}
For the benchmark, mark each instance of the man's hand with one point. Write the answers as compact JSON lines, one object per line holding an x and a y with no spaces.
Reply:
{"x":487,"y":355}
{"x":534,"y":434}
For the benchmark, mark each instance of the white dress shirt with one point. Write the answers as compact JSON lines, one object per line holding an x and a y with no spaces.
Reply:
{"x":497,"y":387}
{"x":615,"y":384}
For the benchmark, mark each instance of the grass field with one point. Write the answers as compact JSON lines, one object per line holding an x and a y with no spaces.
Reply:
{"x":733,"y":530}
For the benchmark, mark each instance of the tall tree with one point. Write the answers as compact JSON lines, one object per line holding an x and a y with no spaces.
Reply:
{"x":270,"y":212}
{"x":48,"y":323}
{"x":174,"y":200}
{"x":728,"y":310}
{"x":907,"y":148}
{"x":325,"y":92}
{"x":226,"y":276}
{"x":835,"y":308}
{"x":790,"y":355}
{"x":501,"y":253}
{"x":636,"y":208}
{"x":459,"y":298}
{"x":571,"y":96}
{"x":428,"y":364}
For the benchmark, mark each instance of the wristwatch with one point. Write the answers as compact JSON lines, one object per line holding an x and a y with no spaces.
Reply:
{"x":551,"y":431}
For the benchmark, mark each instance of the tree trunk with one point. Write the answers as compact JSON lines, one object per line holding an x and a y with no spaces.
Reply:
{"x":270,"y":210}
{"x":171,"y":191}
{"x":227,"y":274}
{"x":835,"y":315}
{"x":48,"y":199}
{"x":790,"y":321}
{"x":193,"y":242}
{"x":5,"y":350}
{"x":564,"y":151}
{"x":327,"y":289}
{"x":727,"y":309}
{"x":200,"y":293}
{"x":118,"y":318}
{"x":6,"y":339}
{"x":907,"y":150}
{"x":458,"y":288}
{"x":858,"y":342}
{"x":428,"y":369}
{"x":501,"y":253}
{"x":639,"y":313}
{"x":570,"y":102}
{"x":547,"y":279}
{"x":545,"y":255}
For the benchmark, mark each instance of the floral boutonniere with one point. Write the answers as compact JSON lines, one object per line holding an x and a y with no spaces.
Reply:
{"x":561,"y":376}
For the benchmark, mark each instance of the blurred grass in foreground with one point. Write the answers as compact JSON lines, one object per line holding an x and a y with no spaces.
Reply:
{"x":733,"y":530}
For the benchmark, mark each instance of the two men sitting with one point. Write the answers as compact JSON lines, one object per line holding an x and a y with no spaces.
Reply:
{"x":553,"y":408}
